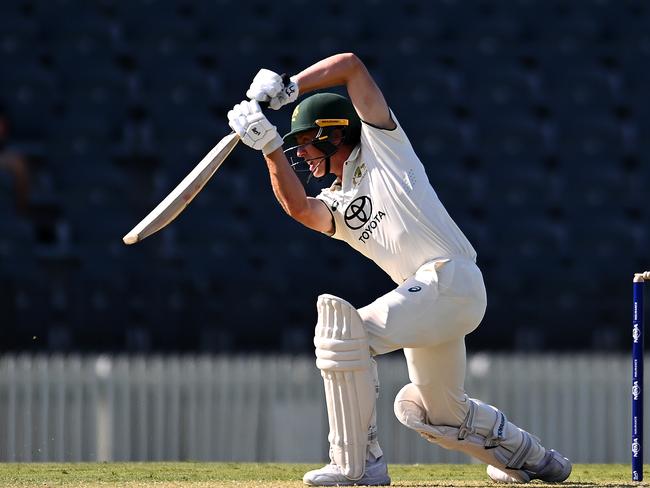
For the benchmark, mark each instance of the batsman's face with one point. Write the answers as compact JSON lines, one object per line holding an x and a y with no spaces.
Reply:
{"x":312,"y":156}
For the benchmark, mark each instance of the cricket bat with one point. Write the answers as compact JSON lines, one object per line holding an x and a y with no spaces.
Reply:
{"x":184,"y":193}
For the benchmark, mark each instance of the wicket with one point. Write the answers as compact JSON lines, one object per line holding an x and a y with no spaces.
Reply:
{"x":637,"y":375}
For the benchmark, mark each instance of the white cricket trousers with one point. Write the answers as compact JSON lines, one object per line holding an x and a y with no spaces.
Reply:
{"x":428,"y":316}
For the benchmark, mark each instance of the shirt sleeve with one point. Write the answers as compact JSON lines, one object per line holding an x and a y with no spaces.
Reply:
{"x":380,"y":140}
{"x":330,"y":199}
{"x":392,"y":150}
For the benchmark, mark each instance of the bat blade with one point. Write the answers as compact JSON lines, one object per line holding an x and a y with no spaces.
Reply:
{"x":174,"y":203}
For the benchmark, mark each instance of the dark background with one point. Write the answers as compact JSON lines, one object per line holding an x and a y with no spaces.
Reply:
{"x":532,"y":118}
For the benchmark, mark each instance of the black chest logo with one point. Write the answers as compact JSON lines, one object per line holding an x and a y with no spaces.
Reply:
{"x":358,"y":212}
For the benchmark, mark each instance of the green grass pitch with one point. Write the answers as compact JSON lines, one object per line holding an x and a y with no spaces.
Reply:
{"x":244,"y":475}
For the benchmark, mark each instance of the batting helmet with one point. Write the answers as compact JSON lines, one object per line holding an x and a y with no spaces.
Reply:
{"x":325,"y":111}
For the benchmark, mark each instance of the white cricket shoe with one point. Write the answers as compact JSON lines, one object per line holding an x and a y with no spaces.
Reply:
{"x":511,"y":476}
{"x":554,"y":468}
{"x":376,"y":474}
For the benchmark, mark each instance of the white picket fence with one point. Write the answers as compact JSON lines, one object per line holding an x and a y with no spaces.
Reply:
{"x":265,"y":408}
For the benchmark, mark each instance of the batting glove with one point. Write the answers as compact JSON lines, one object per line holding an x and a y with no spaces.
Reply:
{"x":268,"y":86}
{"x":252,"y":126}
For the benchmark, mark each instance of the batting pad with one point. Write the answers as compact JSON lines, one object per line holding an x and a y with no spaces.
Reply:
{"x":343,"y":356}
{"x":485,"y":434}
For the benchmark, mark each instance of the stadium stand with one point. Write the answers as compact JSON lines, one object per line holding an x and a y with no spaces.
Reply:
{"x":531,"y":116}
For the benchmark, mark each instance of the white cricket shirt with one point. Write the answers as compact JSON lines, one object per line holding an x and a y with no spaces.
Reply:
{"x":386,"y":209}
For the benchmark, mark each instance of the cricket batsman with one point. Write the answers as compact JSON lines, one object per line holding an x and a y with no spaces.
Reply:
{"x":383,"y":205}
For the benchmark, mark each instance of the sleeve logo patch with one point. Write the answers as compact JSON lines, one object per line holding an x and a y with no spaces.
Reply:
{"x":359,"y":172}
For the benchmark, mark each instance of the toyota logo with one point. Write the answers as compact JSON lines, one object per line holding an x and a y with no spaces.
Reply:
{"x":358,"y":212}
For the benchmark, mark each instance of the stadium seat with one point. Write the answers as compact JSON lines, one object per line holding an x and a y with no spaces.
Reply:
{"x":507,"y":92}
{"x":582,"y":94}
{"x":17,"y":253}
{"x":509,"y":142}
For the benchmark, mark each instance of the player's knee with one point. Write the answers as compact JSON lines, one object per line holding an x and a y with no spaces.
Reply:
{"x":409,"y":410}
{"x":408,"y":403}
{"x":340,"y":338}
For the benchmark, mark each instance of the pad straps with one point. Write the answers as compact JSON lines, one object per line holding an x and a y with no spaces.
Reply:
{"x":496,"y":433}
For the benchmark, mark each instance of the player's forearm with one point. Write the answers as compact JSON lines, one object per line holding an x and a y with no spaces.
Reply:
{"x":287,"y":188}
{"x":333,"y":71}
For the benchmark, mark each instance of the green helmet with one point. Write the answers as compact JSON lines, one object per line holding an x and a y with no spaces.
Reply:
{"x":325,"y":111}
